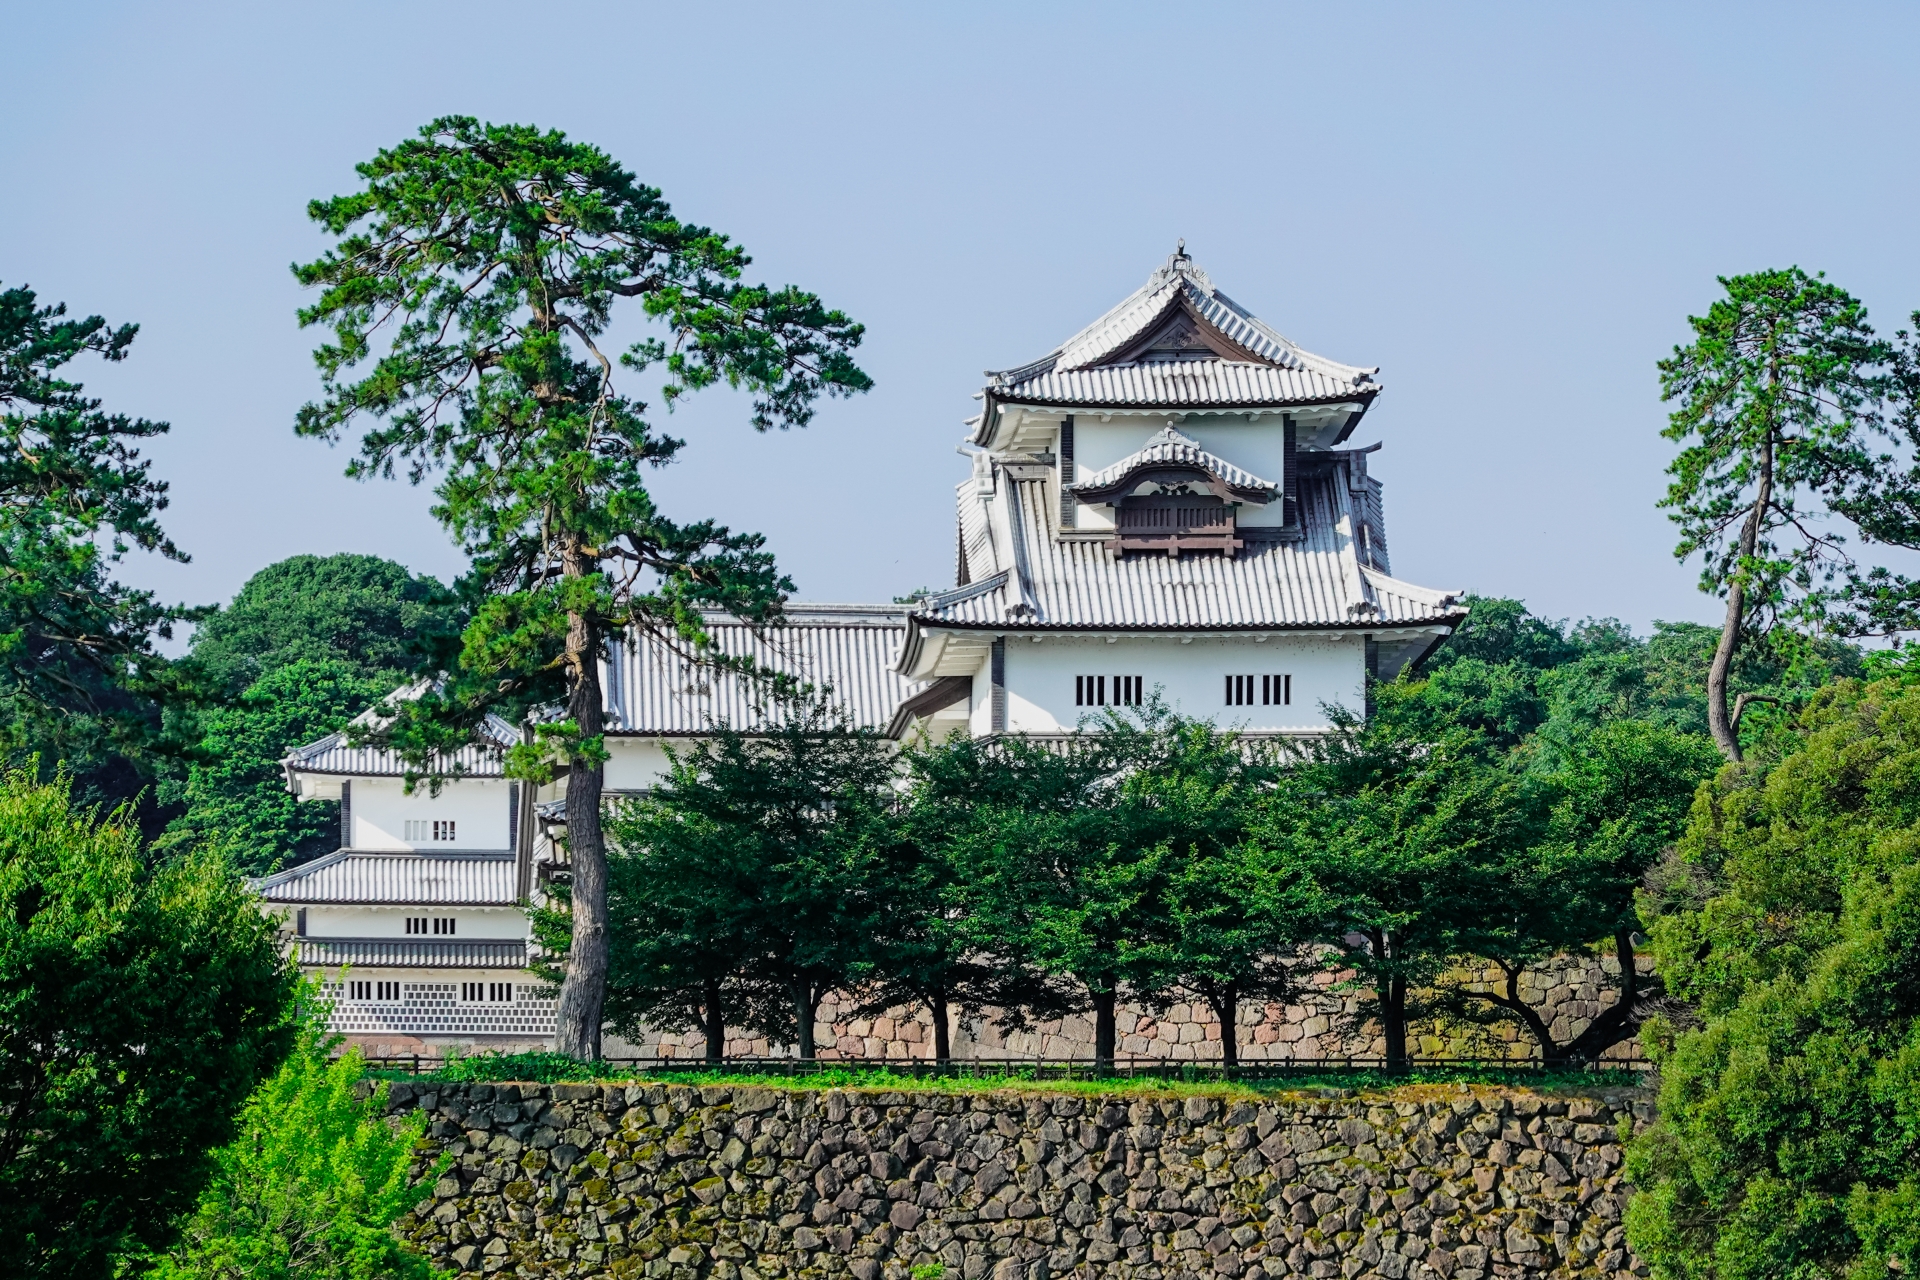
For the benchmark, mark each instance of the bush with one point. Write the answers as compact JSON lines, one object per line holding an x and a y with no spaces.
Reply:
{"x":138,"y":1008}
{"x":1788,"y":1143}
{"x":312,"y":1186}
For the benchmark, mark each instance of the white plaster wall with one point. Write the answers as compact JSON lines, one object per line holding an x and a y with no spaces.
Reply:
{"x":390,"y":922}
{"x":477,"y":806}
{"x":1191,"y":677}
{"x":634,"y":764}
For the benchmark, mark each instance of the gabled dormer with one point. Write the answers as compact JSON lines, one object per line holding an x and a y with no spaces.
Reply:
{"x":1173,"y":496}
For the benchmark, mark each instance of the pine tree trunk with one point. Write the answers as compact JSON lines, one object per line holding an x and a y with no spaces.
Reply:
{"x":583,"y":992}
{"x":1720,"y":721}
{"x":804,"y":1008}
{"x":1104,"y":1034}
{"x":942,"y":1045}
{"x":716,"y":1022}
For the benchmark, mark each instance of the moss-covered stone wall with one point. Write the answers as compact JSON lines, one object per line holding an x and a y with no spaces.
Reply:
{"x":732,"y":1183}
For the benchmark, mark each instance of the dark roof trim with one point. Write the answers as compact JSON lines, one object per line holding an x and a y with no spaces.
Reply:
{"x":938,"y":696}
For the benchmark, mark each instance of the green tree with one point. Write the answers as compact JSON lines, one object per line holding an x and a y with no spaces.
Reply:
{"x":1235,"y":916}
{"x":1053,"y":873}
{"x":138,"y":1008}
{"x":1411,"y":839}
{"x":483,"y":263}
{"x":1621,"y":799}
{"x":313,"y":1183}
{"x":80,"y":680}
{"x":380,"y":620}
{"x":771,"y":849}
{"x":1788,"y":1142}
{"x":1779,"y":414}
{"x":236,"y":791}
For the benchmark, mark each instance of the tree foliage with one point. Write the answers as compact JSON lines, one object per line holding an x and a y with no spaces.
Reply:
{"x":313,"y":1183}
{"x":138,"y":1008}
{"x":1788,"y":1142}
{"x":1779,"y":413}
{"x":80,"y":680}
{"x":381,"y":621}
{"x":477,"y":272}
{"x":236,"y":792}
{"x":749,"y":882}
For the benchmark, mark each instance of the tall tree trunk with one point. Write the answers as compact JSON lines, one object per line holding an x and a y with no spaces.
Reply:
{"x":942,"y":1045}
{"x":1392,"y":993}
{"x":1104,"y":1034}
{"x":1226,"y":1007}
{"x":1615,"y":1023}
{"x":716,"y":1022}
{"x":1393,"y":1020}
{"x":1720,"y":721}
{"x":583,"y":992}
{"x":805,"y":1005}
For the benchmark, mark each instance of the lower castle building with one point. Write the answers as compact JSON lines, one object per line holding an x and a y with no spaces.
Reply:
{"x":1165,"y":503}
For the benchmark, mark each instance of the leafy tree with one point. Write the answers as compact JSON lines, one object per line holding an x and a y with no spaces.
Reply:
{"x":770,"y":850}
{"x":485,"y":261}
{"x":1622,"y":799}
{"x":80,"y":680}
{"x":1779,"y":413}
{"x":1787,"y":1143}
{"x":1053,"y":874}
{"x":311,"y":1187}
{"x":380,"y":620}
{"x":1411,"y":840}
{"x":138,"y":1009}
{"x":1498,"y":631}
{"x":923,"y":953}
{"x":1235,"y":915}
{"x":236,"y":792}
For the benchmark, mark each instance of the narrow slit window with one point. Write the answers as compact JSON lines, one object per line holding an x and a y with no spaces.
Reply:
{"x":443,"y":924}
{"x":1102,"y":691}
{"x":1276,"y":691}
{"x":359,"y":990}
{"x":1239,"y":691}
{"x":416,"y":924}
{"x":443,"y":829}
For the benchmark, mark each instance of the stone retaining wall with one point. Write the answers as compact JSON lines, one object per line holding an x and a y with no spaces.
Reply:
{"x":1423,"y":1183}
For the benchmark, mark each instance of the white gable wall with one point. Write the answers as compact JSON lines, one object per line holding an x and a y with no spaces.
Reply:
{"x":391,"y":922}
{"x":478,"y":807}
{"x":1191,"y":678}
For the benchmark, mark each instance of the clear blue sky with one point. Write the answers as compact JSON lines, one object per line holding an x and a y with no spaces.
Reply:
{"x":1510,"y":209}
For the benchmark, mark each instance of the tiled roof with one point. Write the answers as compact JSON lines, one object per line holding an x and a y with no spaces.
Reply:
{"x":355,"y":876}
{"x":1051,"y":582}
{"x":1101,"y":366}
{"x":411,"y":953}
{"x":337,"y":754}
{"x":656,"y":687}
{"x":1169,"y":447}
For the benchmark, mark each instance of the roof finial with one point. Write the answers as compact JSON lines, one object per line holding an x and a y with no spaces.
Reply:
{"x":1180,"y":247}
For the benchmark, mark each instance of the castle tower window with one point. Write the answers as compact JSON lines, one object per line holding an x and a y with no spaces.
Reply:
{"x":443,"y":924}
{"x":1276,"y":691}
{"x":1104,"y":691}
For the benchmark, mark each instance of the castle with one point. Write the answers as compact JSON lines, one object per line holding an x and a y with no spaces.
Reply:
{"x":1165,"y":502}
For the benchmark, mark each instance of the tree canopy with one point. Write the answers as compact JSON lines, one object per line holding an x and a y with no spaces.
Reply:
{"x":139,"y":1006}
{"x":1788,"y":1142}
{"x":80,"y":679}
{"x":382,"y":621}
{"x":477,"y":272}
